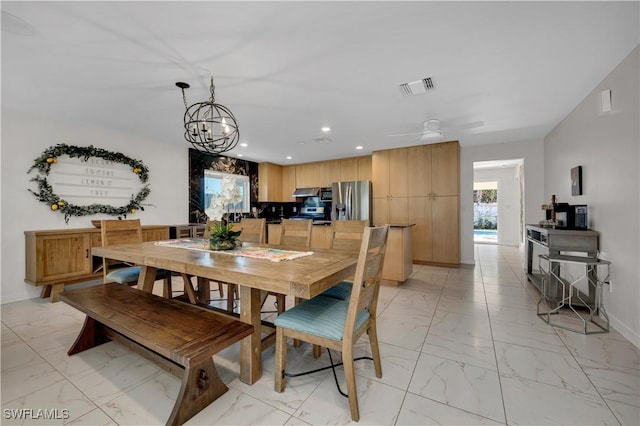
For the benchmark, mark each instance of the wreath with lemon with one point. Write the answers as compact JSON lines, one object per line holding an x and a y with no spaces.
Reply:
{"x":45,"y":193}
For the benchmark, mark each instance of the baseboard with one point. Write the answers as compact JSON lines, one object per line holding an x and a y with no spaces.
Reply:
{"x":625,"y":331}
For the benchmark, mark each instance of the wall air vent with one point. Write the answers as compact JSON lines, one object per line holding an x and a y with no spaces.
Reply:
{"x":416,"y":87}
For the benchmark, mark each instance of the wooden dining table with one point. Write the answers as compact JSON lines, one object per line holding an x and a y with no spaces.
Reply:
{"x":304,"y":277}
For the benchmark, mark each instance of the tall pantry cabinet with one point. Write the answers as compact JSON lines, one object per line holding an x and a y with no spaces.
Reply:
{"x":421,"y":185}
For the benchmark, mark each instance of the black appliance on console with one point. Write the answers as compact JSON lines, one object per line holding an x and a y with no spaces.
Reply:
{"x":571,"y":217}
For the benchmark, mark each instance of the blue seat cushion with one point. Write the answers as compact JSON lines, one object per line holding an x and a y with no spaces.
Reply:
{"x":131,"y":274}
{"x":320,"y":316}
{"x":124,"y":275}
{"x":341,"y":291}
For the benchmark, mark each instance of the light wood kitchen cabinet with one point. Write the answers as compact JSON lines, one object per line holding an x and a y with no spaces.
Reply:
{"x":269,"y":182}
{"x":307,"y":175}
{"x":54,"y":258}
{"x":348,"y":169}
{"x":420,"y":215}
{"x":355,"y":168}
{"x":364,"y":167}
{"x":397,"y":259}
{"x":429,"y":197}
{"x":392,"y":210}
{"x":329,"y":172}
{"x":288,"y":183}
{"x":445,"y":169}
{"x":445,"y":228}
{"x":389,"y":173}
{"x":419,"y":169}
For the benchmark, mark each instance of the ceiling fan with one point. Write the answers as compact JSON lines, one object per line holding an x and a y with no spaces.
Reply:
{"x":433,"y":131}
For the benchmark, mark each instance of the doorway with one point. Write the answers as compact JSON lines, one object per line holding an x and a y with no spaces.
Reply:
{"x":498,"y":201}
{"x":485,"y":212}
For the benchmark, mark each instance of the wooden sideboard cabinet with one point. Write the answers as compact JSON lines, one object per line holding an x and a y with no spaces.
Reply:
{"x":54,"y":258}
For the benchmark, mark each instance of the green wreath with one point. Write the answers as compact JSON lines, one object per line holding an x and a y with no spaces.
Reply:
{"x":46,"y":195}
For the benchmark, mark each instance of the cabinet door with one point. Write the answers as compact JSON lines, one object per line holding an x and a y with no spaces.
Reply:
{"x":349,"y":169}
{"x":288,"y":183}
{"x":398,"y":177}
{"x":380,"y":174}
{"x":445,"y":230}
{"x":445,"y":173}
{"x":419,"y":170}
{"x":63,"y":256}
{"x":269,"y":182}
{"x":380,"y":213}
{"x":420,"y":215}
{"x":307,"y":175}
{"x":364,"y":168}
{"x":398,"y":210}
{"x":329,"y":172}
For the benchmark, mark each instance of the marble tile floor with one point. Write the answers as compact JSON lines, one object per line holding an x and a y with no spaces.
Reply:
{"x":460,"y":346}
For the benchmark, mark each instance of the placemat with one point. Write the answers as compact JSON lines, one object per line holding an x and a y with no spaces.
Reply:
{"x":269,"y":253}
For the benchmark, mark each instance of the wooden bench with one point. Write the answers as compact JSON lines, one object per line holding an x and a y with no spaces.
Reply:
{"x":181,"y":338}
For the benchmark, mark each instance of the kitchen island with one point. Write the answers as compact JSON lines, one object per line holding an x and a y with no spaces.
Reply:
{"x":398,"y":259}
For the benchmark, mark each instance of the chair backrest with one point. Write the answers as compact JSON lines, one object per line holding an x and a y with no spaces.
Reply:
{"x":253,"y":230}
{"x":347,"y":234}
{"x":114,"y":232}
{"x":296,"y":233}
{"x":366,"y":283}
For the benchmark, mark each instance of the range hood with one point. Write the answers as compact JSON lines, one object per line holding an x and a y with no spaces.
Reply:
{"x":306,"y":192}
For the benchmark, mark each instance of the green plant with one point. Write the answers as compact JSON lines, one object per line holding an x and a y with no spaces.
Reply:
{"x":223,"y":231}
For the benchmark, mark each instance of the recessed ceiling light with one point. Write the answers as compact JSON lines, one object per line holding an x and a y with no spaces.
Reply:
{"x":289,"y":157}
{"x":326,"y":129}
{"x":359,"y":147}
{"x":239,"y":155}
{"x":244,"y":144}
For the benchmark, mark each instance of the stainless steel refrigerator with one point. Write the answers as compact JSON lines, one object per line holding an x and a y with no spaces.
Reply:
{"x":351,"y":201}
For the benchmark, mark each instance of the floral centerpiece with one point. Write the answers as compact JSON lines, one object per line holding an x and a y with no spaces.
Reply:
{"x":223,"y":237}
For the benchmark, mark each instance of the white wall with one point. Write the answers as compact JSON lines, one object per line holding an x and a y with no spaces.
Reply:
{"x":531,"y":152}
{"x":508,"y":201}
{"x":607,"y":148}
{"x":24,"y":137}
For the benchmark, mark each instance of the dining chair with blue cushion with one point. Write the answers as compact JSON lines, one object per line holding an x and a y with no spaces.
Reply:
{"x":114,"y":232}
{"x":346,"y":235}
{"x":338,"y":324}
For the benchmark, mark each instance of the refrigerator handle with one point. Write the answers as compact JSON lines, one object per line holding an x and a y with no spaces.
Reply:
{"x":349,"y":202}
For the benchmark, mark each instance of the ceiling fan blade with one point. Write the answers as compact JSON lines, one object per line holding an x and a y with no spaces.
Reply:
{"x":405,"y":134}
{"x":465,"y":126}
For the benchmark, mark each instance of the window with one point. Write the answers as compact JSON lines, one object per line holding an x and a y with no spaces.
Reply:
{"x":213,"y":185}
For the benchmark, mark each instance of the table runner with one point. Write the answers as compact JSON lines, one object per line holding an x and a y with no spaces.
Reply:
{"x":268,"y":253}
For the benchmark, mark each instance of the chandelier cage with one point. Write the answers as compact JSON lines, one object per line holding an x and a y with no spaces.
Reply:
{"x":208,"y":126}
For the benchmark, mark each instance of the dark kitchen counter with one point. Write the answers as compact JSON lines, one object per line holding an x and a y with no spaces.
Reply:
{"x":315,"y":223}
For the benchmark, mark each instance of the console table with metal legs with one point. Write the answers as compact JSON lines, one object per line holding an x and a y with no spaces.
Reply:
{"x":574,"y":306}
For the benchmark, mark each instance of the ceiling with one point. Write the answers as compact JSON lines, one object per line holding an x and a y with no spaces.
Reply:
{"x":286,"y":69}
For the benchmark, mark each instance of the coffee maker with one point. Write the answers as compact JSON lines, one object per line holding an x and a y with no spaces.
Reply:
{"x":571,"y":217}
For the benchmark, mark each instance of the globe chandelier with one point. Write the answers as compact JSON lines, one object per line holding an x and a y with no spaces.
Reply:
{"x":209,"y":126}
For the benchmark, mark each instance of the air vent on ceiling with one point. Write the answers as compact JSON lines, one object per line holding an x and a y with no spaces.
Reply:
{"x":323,"y":139}
{"x":416,"y":87}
